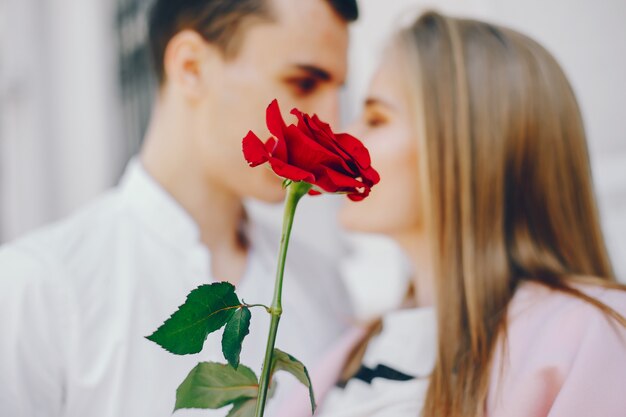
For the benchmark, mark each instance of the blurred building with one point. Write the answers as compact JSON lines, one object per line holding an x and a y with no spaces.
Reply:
{"x":60,"y":139}
{"x":135,"y":76}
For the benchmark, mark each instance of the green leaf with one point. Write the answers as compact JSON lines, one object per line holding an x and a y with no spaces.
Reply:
{"x":235,"y":331}
{"x":207,"y":309}
{"x":215,"y":385}
{"x":245,"y":408}
{"x":285,"y":362}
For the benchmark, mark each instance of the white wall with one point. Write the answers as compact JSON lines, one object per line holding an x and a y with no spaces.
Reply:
{"x":23,"y":118}
{"x":57,"y":108}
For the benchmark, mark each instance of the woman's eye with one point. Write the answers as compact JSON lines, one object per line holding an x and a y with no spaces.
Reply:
{"x":374,"y":121}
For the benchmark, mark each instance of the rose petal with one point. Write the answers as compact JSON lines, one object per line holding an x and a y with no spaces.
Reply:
{"x":333,"y":181}
{"x":302,"y":125}
{"x":276,"y":125}
{"x":343,"y":183}
{"x":325,"y":136}
{"x":254,"y":150}
{"x":322,"y":134}
{"x":290,"y":172}
{"x":310,"y":151}
{"x":270,"y":144}
{"x":370,"y":176}
{"x":306,"y":153}
{"x":354,"y":148}
{"x":274,"y":120}
{"x":322,"y":128}
{"x":359,"y":196}
{"x":322,"y":125}
{"x":328,"y":137}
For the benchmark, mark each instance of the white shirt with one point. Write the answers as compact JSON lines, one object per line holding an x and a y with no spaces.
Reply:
{"x":407,"y":344}
{"x":78,"y":297}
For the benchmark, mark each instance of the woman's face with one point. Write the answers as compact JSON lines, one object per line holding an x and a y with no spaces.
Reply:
{"x":386,"y":128}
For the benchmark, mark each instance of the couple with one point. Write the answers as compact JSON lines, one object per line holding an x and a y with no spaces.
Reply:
{"x":485,"y":184}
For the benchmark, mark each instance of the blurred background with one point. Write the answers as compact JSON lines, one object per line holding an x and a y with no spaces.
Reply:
{"x":76,"y":92}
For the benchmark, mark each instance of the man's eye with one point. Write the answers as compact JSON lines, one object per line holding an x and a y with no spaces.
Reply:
{"x":304,"y":86}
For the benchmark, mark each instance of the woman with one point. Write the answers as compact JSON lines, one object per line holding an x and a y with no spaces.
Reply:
{"x":486,"y":185}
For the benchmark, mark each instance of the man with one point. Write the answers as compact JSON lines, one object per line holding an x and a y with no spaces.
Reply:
{"x":77,"y":298}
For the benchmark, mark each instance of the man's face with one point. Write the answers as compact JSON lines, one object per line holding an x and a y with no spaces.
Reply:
{"x":299,"y":59}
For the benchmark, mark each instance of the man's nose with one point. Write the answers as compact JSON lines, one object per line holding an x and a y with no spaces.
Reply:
{"x":328,"y":109}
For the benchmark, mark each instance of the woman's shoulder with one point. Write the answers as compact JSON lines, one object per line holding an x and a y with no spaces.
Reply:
{"x":561,"y":354}
{"x":552,"y":306}
{"x":543,"y":317}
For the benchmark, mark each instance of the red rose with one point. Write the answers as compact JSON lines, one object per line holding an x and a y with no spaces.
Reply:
{"x":311,"y":152}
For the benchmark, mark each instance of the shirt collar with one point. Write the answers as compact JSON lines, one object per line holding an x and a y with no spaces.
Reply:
{"x":156,"y":208}
{"x":407,"y":320}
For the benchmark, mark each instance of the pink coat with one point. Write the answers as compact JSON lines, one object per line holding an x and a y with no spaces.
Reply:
{"x":563,"y":358}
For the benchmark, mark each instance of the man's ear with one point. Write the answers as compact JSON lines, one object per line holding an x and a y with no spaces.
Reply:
{"x":189,"y":62}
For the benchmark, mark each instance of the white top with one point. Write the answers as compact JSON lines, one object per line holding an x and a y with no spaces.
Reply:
{"x":77,"y":299}
{"x":407,"y":344}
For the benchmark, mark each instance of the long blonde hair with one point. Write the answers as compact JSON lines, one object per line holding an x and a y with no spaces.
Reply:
{"x":507,"y":190}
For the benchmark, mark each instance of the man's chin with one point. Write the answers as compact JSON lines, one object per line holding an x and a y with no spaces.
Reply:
{"x":269,"y":193}
{"x":273,"y":196}
{"x":271,"y":190}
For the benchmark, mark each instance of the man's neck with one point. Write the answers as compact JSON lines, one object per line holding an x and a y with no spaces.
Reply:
{"x":217,"y":212}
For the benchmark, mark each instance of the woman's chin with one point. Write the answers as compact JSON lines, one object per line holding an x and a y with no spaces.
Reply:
{"x":352,"y":219}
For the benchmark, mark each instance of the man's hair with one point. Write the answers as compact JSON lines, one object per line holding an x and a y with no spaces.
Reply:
{"x":220,"y":22}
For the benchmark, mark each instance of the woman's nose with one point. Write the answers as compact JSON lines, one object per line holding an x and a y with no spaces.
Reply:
{"x":355,"y":128}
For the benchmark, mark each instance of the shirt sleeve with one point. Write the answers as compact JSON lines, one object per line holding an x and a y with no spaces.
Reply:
{"x":33,"y":329}
{"x":595,"y":383}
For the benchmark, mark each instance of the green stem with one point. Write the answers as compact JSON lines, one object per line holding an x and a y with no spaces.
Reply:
{"x":295,"y":191}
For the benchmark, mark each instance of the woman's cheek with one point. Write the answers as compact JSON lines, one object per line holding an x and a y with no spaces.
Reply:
{"x":392,"y":204}
{"x":398,"y":189}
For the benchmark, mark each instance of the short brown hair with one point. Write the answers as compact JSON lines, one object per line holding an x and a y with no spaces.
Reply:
{"x":218,"y":21}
